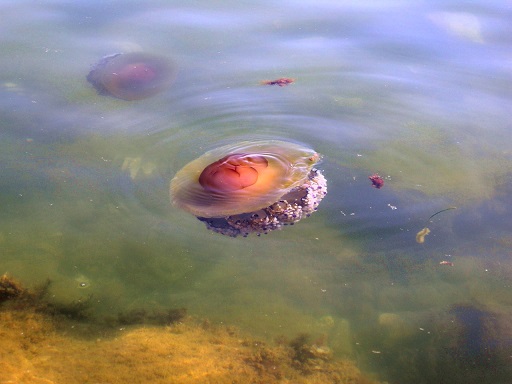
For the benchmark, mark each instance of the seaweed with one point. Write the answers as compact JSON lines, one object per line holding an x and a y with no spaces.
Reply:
{"x":141,"y":316}
{"x":13,"y":292}
{"x":39,"y":334}
{"x":307,"y":356}
{"x":10,"y":289}
{"x":17,"y":297}
{"x":75,"y":310}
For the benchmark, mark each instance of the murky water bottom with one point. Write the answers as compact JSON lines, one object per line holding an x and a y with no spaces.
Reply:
{"x":45,"y":342}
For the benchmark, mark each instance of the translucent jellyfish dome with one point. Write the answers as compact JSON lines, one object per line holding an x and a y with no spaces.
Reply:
{"x":132,"y":76}
{"x":250,"y":187}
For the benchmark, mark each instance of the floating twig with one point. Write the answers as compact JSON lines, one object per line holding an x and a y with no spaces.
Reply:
{"x":437,"y":213}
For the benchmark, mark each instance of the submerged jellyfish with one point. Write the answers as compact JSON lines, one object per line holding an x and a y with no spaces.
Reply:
{"x":250,"y":187}
{"x":132,"y":76}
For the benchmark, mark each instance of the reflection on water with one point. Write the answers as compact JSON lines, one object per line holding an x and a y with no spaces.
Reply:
{"x":417,"y":93}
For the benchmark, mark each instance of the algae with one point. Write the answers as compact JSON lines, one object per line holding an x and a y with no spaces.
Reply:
{"x":33,"y":351}
{"x":38,"y":347}
{"x":10,"y":289}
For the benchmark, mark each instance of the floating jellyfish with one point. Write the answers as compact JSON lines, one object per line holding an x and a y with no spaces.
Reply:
{"x":132,"y":76}
{"x":250,"y":187}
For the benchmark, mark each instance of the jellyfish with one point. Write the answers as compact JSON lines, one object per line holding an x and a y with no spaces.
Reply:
{"x":132,"y":76}
{"x":250,"y":187}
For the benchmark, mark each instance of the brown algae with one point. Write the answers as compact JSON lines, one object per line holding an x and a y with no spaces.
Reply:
{"x":38,"y":347}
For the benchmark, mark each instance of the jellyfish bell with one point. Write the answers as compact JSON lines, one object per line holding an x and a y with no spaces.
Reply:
{"x":132,"y":76}
{"x":250,"y":187}
{"x":206,"y":187}
{"x":233,"y":172}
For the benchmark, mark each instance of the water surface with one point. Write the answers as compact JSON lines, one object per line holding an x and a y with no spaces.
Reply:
{"x":418,"y":92}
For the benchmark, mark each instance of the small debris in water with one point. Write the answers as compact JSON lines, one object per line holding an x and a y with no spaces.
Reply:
{"x":420,"y":236}
{"x":281,"y":81}
{"x":377,"y":181}
{"x":444,"y":262}
{"x":437,"y":213}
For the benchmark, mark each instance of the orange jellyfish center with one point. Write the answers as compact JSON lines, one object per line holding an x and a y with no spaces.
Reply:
{"x":233,"y":172}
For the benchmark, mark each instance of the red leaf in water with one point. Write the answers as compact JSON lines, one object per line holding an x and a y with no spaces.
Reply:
{"x":281,"y":81}
{"x":444,"y":262}
{"x":377,"y":181}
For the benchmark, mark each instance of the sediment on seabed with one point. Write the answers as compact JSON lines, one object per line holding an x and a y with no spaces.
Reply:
{"x":42,"y":343}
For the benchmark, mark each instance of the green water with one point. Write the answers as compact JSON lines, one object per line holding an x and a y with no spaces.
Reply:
{"x":416,"y":92}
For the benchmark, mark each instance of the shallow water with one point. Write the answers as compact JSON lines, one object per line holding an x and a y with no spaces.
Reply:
{"x":416,"y":92}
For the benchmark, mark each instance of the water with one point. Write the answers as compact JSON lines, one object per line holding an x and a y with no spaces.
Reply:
{"x":417,"y":92}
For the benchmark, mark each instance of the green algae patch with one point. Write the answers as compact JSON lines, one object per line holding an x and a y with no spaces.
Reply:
{"x":39,"y":348}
